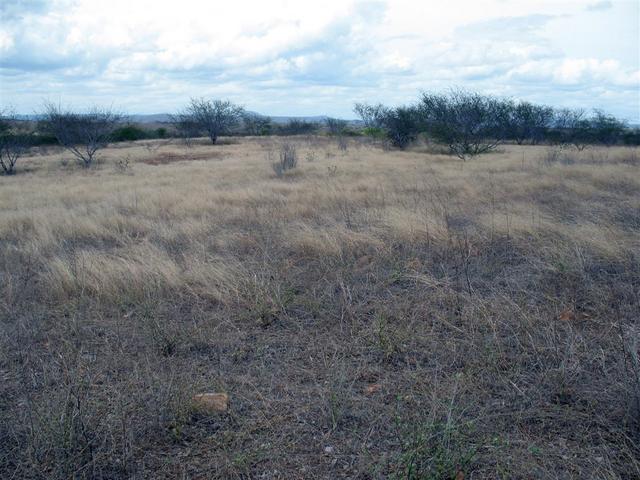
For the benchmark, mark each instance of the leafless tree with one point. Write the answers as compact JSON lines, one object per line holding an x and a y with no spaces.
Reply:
{"x":83,"y":134}
{"x":215,"y":117}
{"x":186,"y":126}
{"x":14,"y":143}
{"x":371,"y":115}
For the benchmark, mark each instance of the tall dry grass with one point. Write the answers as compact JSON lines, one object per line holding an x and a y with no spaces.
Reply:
{"x":371,"y":313}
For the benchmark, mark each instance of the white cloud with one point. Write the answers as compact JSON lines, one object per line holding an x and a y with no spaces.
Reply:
{"x":315,"y":57}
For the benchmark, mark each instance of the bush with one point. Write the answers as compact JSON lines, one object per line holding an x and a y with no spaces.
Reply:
{"x":297,"y":127}
{"x":375,"y":133}
{"x":288,"y":159}
{"x":15,"y":141}
{"x":401,"y":125}
{"x":129,"y":133}
{"x":468,"y":123}
{"x":528,"y":122}
{"x":372,"y":116}
{"x":215,"y":117}
{"x":257,"y":125}
{"x":631,"y":137}
{"x":83,"y":134}
{"x":606,"y":129}
{"x":335,"y":126}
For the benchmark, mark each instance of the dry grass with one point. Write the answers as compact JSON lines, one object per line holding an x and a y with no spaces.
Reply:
{"x":372,"y":314}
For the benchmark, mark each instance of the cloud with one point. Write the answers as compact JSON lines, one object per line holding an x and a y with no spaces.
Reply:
{"x":577,"y":72}
{"x":285,"y":57}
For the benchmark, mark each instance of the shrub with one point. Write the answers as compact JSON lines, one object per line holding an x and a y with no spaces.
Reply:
{"x":401,"y":125}
{"x":297,"y":127}
{"x":631,"y":137}
{"x":376,"y":133}
{"x":528,"y":122}
{"x":372,"y":116}
{"x":468,"y":123}
{"x":13,"y":145}
{"x":335,"y":126}
{"x":129,"y":133}
{"x":606,"y":129}
{"x":215,"y":117}
{"x":288,"y":159}
{"x":255,"y":124}
{"x":83,"y":134}
{"x":572,"y":127}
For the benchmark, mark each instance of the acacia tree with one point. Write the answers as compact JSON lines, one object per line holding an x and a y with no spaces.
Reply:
{"x":573,"y":127}
{"x":606,"y":128}
{"x":83,"y":134}
{"x":371,"y":115}
{"x":216,"y":117}
{"x":13,"y":142}
{"x":467,"y":122}
{"x":400,"y":125}
{"x":528,"y":122}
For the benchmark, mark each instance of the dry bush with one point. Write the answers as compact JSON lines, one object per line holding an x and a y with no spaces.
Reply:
{"x":288,"y":159}
{"x":398,"y":316}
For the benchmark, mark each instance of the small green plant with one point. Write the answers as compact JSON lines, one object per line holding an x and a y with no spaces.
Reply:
{"x":386,"y":339}
{"x":375,"y":133}
{"x":434,"y":450}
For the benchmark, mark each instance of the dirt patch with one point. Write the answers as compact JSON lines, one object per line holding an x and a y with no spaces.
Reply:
{"x":167,"y":157}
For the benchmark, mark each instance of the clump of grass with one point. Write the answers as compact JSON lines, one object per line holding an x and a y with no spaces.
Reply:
{"x":433,"y":447}
{"x":288,"y":159}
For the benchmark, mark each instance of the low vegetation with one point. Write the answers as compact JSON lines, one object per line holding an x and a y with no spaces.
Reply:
{"x":378,"y":313}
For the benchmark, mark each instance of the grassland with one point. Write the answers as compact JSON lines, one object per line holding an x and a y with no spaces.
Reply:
{"x":371,"y":314}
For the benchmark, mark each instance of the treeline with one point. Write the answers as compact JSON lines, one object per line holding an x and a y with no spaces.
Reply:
{"x":471,"y":123}
{"x":468,"y":123}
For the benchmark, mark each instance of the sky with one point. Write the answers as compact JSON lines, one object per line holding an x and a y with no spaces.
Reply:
{"x":282,"y":57}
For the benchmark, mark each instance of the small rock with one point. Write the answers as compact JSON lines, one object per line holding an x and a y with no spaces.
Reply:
{"x":211,"y":402}
{"x":567,"y":315}
{"x":328,"y":450}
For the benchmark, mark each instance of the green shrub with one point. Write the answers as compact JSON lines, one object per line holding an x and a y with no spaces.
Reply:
{"x":128,"y":133}
{"x":374,"y":132}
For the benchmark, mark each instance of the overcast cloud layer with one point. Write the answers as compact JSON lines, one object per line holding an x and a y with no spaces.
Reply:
{"x":317,"y":57}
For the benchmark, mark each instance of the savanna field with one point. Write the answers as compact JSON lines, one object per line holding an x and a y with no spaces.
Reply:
{"x":370,"y":314}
